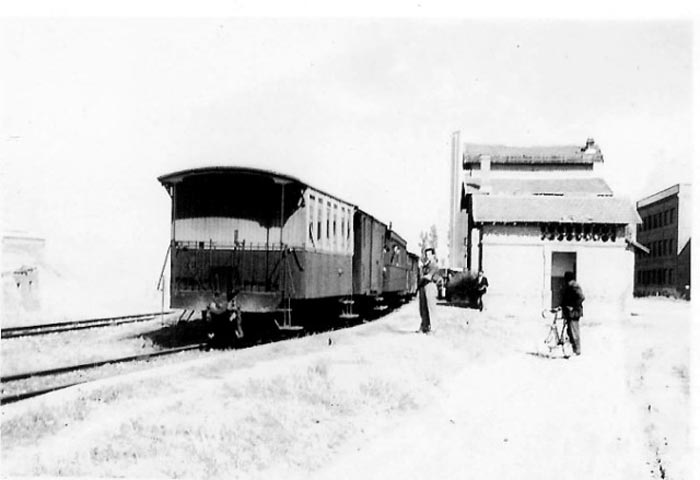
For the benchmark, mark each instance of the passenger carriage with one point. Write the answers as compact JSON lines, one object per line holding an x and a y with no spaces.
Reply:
{"x":277,"y":243}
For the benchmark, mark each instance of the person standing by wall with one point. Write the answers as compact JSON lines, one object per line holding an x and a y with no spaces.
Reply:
{"x":427,"y":289}
{"x":572,"y":309}
{"x":482,"y":283}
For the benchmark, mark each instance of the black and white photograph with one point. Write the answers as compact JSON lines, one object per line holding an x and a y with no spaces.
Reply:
{"x":395,"y":244}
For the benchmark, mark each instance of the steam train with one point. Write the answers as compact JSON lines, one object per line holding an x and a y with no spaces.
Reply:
{"x":289,"y":254}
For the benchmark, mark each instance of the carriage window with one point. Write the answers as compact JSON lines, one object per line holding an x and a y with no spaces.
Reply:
{"x":312,"y":212}
{"x":318,"y":219}
{"x":335,"y":222}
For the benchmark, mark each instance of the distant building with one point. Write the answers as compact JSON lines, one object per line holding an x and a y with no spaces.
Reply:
{"x":21,"y":256}
{"x":666,"y":231}
{"x":526,"y":215}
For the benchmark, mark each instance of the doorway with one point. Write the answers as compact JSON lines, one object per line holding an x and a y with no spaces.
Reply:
{"x":562,"y":262}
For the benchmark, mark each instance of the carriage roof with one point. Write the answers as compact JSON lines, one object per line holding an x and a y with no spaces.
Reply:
{"x":176,"y":177}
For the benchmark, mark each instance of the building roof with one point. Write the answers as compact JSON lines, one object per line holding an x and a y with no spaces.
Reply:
{"x":564,"y":209}
{"x":541,"y":186}
{"x":557,"y":154}
{"x":665,"y":193}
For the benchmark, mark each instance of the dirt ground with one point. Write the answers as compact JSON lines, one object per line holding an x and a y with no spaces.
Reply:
{"x":477,"y":398}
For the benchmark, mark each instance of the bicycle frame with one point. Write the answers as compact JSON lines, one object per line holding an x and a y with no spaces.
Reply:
{"x":556,"y":337}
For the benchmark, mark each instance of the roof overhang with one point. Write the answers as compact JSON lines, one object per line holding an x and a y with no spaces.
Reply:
{"x":561,"y":209}
{"x":176,"y":177}
{"x":632,"y":243}
{"x":173,"y":178}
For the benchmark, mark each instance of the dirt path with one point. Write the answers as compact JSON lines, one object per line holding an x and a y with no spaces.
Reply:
{"x":518,"y":416}
{"x":471,"y":400}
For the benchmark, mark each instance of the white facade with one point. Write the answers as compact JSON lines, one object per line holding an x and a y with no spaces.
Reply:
{"x":518,"y":264}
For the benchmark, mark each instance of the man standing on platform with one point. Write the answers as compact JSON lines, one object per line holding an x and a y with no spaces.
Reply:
{"x":427,"y":289}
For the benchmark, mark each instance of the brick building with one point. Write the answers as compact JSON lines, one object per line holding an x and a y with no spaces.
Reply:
{"x":526,"y":215}
{"x":666,"y":231}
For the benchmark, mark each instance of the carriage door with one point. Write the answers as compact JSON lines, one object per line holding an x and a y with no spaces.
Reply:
{"x":561,"y":262}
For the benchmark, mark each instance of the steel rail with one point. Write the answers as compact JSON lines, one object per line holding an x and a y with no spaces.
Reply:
{"x":84,"y":366}
{"x":30,"y":330}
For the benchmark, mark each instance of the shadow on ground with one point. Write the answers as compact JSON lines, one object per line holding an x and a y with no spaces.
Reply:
{"x":548,"y":356}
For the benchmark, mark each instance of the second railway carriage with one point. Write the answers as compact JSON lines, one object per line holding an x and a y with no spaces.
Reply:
{"x":277,"y":243}
{"x":397,"y":269}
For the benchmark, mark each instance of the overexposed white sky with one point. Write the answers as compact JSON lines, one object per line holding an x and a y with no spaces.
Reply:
{"x":95,"y":109}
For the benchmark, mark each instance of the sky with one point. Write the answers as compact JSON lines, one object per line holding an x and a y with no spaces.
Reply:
{"x":95,"y":109}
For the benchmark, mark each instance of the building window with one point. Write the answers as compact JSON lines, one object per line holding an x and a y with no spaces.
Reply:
{"x":670,"y":276}
{"x":673,"y":215}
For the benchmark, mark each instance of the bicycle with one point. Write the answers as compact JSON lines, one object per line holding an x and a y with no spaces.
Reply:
{"x":557,"y":335}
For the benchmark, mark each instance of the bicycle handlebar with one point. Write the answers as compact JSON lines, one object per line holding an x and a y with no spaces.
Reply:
{"x":547,"y":312}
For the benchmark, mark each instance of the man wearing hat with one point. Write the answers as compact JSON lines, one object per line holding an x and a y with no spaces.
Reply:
{"x":427,"y":289}
{"x":572,"y":309}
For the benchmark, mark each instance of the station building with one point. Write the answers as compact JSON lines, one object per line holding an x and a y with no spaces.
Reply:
{"x":666,"y":231}
{"x":526,"y":215}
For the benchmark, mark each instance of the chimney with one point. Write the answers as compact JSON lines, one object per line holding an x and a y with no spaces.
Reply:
{"x":485,"y":173}
{"x":591,"y":147}
{"x":456,"y":229}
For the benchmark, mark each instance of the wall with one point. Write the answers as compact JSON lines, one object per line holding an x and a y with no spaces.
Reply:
{"x":518,"y":265}
{"x":504,"y":170}
{"x":685,"y":227}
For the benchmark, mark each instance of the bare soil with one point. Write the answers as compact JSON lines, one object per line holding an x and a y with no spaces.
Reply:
{"x":479,"y":398}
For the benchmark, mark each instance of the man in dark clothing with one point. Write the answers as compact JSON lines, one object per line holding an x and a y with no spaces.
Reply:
{"x":224,"y":320}
{"x":216,"y":313}
{"x":482,"y":284}
{"x":427,"y":290}
{"x":572,"y":309}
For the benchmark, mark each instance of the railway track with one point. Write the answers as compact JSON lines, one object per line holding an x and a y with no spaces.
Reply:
{"x":30,"y":330}
{"x":21,"y":395}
